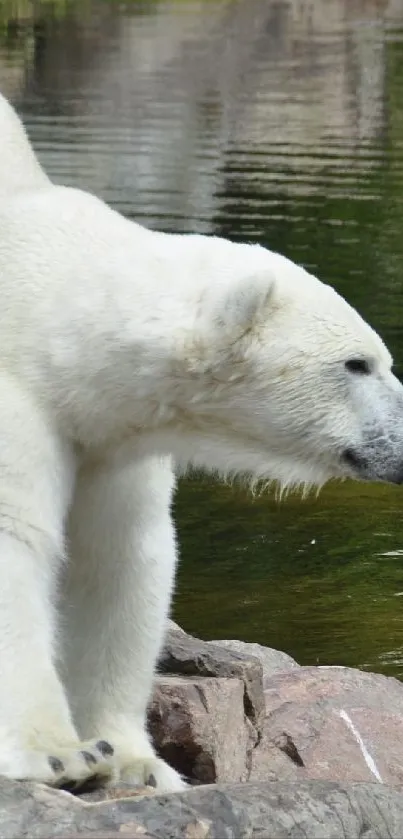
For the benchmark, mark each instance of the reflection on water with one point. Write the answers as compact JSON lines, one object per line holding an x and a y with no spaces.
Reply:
{"x":274,"y":120}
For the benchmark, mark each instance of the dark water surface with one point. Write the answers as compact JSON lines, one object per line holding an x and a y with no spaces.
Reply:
{"x":274,"y":120}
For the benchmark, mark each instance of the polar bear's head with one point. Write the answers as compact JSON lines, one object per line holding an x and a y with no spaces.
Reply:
{"x":294,"y":381}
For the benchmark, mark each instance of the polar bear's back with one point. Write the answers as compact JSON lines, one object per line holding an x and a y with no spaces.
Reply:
{"x":19,"y":167}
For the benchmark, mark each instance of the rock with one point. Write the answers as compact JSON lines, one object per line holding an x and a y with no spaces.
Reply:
{"x":325,"y":728}
{"x":328,"y":723}
{"x":273,"y":661}
{"x":332,"y":723}
{"x":187,"y":656}
{"x":207,"y":721}
{"x":199,"y":726}
{"x":243,"y":811}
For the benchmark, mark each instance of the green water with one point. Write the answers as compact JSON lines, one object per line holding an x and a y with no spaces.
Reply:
{"x":280,"y":122}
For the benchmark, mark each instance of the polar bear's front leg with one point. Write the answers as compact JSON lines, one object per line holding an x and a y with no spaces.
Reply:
{"x":38,"y":740}
{"x":116,"y":604}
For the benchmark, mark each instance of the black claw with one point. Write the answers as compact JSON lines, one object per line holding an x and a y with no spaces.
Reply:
{"x":105,"y":748}
{"x":95,"y":782}
{"x":69,"y":786}
{"x":88,"y":757}
{"x":55,"y":764}
{"x":91,"y":784}
{"x":151,"y":782}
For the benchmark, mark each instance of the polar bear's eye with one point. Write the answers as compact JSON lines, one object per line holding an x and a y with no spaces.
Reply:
{"x":358,"y":365}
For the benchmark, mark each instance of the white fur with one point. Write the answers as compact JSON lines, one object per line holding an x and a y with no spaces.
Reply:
{"x":121,"y":349}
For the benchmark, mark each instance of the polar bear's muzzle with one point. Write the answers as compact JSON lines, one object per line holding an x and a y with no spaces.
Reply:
{"x":374,"y":451}
{"x":378,"y":460}
{"x":373,"y":468}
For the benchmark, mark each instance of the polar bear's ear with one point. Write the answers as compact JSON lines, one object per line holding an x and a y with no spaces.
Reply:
{"x":242,"y":304}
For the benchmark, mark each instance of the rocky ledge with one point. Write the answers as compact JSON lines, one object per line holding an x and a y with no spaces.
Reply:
{"x":271,"y":750}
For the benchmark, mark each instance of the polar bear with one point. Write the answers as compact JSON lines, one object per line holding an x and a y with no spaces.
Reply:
{"x":126,"y":352}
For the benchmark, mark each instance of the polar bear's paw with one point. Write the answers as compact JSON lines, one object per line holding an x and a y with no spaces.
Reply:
{"x":75,"y":768}
{"x":154,"y":772}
